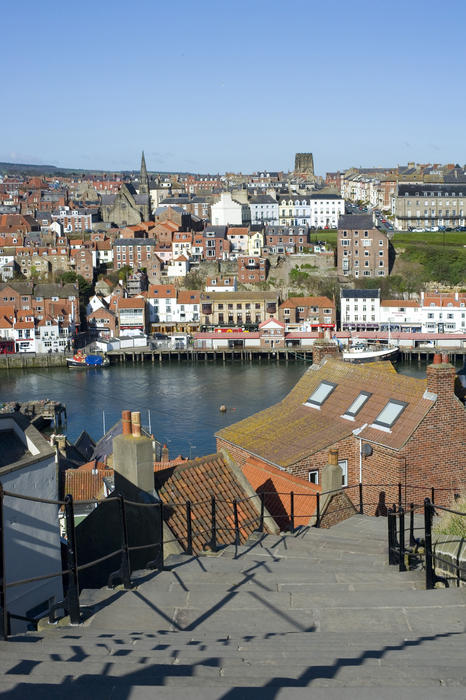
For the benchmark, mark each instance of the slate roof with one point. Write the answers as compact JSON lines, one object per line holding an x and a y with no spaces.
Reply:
{"x":289,"y":431}
{"x":358,"y":222}
{"x":360,"y":293}
{"x":197,"y":481}
{"x":428,"y":189}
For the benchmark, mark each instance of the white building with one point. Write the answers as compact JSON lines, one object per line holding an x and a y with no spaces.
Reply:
{"x":161,"y":304}
{"x":51,"y":337}
{"x":325,"y":209}
{"x":179,"y":267}
{"x":264,"y":210}
{"x":359,"y":309}
{"x":229,"y":212}
{"x":221,"y":284}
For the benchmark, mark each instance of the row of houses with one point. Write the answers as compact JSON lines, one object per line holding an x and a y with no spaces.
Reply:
{"x":363,"y":309}
{"x":164,"y":308}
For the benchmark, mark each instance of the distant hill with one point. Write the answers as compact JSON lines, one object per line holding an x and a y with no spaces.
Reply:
{"x":29,"y":168}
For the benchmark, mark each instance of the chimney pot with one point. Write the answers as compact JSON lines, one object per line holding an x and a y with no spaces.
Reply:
{"x":445,"y":360}
{"x":126,"y":422}
{"x":136,"y":423}
{"x":437,"y":359}
{"x":333,"y":456}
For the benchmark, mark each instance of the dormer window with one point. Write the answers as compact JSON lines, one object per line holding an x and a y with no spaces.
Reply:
{"x":357,"y":404}
{"x":321,"y":394}
{"x":390,"y":414}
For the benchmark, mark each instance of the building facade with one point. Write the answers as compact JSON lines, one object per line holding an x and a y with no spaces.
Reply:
{"x":362,"y":250}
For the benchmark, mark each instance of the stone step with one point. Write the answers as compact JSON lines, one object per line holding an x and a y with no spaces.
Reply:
{"x":107,"y":690}
{"x":366,"y":672}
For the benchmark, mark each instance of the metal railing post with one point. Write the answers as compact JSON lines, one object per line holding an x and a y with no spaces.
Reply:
{"x":432,"y":498}
{"x":361,"y":504}
{"x":430,"y":574}
{"x":400,"y":495}
{"x":261,"y":521}
{"x":292,"y":511}
{"x":72,"y":594}
{"x":412,"y":539}
{"x":125,"y":563}
{"x":391,"y":537}
{"x":162,"y":553}
{"x":189,"y":529}
{"x":401,"y":540}
{"x":317,"y":509}
{"x":235,"y":512}
{"x":3,"y":602}
{"x":213,"y":526}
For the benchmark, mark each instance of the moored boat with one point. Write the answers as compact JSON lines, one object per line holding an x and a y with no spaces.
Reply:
{"x":362,"y":352}
{"x":84,"y":361}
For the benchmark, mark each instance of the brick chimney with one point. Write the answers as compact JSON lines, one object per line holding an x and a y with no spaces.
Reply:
{"x":133,"y":459}
{"x":322,"y":347}
{"x":441,"y":377}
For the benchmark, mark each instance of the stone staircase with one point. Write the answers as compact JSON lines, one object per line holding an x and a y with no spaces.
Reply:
{"x":320,"y":610}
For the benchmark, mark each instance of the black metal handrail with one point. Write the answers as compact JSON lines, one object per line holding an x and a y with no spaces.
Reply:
{"x":397,"y":549}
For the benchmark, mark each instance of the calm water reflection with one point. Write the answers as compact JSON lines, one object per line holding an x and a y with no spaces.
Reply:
{"x":182,"y":400}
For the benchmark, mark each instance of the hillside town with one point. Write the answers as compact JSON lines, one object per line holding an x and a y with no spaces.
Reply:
{"x":99,"y":258}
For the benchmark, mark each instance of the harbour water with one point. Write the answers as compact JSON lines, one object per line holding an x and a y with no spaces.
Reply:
{"x":179,"y":402}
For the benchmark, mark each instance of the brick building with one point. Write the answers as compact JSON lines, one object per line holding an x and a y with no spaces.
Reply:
{"x":312,"y":313}
{"x":252,"y":269}
{"x":138,"y":254}
{"x":82,"y":261}
{"x":285,"y":239}
{"x":238,"y":308}
{"x":388,"y":428}
{"x":362,"y":250}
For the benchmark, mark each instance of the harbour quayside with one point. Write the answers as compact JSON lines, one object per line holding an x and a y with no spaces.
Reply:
{"x":84,"y":361}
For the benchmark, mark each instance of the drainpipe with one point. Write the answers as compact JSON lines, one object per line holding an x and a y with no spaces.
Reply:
{"x":356,"y":432}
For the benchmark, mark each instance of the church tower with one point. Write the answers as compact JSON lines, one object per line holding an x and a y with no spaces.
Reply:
{"x":143,"y":177}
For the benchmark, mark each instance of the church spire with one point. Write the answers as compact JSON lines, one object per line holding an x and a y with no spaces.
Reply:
{"x":143,"y":177}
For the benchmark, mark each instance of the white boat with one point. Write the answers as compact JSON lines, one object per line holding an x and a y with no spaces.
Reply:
{"x":362,"y":352}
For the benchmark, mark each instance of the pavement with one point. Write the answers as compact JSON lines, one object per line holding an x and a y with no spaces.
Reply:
{"x":317,"y":614}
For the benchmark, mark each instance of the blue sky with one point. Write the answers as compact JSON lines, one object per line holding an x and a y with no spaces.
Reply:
{"x":214,"y":86}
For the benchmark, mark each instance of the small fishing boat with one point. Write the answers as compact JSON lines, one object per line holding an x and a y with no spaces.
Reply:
{"x":363,"y":352}
{"x":84,"y":361}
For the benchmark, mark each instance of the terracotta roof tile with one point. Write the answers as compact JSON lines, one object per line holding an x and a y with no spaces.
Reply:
{"x":197,"y":481}
{"x":276,"y":485}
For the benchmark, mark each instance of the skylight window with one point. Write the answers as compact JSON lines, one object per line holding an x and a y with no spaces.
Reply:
{"x":390,"y":413}
{"x":321,"y":394}
{"x":357,"y":404}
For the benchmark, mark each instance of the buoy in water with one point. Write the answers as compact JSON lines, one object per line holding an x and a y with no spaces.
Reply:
{"x":222,"y":409}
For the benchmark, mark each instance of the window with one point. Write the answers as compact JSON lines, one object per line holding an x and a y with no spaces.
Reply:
{"x":313,"y":476}
{"x":357,"y":404}
{"x":343,"y":464}
{"x":322,"y":393}
{"x":390,"y":413}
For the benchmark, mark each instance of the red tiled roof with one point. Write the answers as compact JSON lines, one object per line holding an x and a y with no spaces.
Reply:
{"x":161,"y":291}
{"x":400,"y":302}
{"x":293,"y":302}
{"x":85,"y":485}
{"x":197,"y":481}
{"x":189,"y":296}
{"x":131,"y":303}
{"x":276,"y":485}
